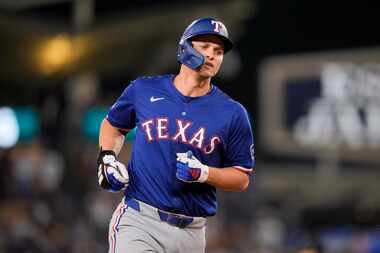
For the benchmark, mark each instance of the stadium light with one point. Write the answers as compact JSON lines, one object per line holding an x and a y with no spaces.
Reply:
{"x":9,"y":129}
{"x":56,"y":53}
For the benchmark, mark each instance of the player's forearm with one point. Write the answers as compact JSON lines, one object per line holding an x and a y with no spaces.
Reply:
{"x":110,"y":138}
{"x":228,"y":179}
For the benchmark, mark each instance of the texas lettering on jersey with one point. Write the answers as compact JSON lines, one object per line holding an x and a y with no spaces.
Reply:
{"x":197,"y":139}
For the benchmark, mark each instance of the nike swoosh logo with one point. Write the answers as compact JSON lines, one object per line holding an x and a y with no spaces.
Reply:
{"x":153,"y":99}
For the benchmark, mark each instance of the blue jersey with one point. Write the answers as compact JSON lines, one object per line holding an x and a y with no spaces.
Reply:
{"x":214,"y":127}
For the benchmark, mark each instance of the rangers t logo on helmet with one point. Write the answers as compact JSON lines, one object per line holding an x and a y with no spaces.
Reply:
{"x":187,"y":55}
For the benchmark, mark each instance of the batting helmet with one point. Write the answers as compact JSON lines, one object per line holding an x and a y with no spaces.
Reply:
{"x":187,"y":54}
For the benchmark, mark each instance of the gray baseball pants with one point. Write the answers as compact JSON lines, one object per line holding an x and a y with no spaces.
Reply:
{"x":137,"y":227}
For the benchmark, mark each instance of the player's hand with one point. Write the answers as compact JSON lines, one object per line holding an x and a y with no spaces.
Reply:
{"x":190,"y":169}
{"x":112,"y":174}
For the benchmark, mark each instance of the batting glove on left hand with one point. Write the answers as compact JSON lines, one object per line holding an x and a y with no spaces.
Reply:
{"x":112,"y":174}
{"x":190,"y":169}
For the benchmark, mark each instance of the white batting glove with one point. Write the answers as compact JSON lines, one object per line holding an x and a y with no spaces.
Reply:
{"x":112,"y":174}
{"x":190,"y":169}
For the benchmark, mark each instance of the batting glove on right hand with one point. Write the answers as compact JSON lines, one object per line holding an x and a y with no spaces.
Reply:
{"x":190,"y":169}
{"x":112,"y":174}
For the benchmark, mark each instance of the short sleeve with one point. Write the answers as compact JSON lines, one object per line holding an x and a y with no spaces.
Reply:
{"x":122,"y":114}
{"x":240,"y":144}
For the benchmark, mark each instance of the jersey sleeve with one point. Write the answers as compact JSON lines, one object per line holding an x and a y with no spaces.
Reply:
{"x":240,"y":144}
{"x":122,"y":114}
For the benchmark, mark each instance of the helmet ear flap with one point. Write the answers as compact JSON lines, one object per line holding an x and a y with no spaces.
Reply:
{"x":188,"y":56}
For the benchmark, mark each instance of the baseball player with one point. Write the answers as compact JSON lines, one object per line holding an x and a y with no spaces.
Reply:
{"x":191,"y":139}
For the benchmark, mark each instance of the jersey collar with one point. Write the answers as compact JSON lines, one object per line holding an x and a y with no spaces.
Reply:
{"x":187,"y":99}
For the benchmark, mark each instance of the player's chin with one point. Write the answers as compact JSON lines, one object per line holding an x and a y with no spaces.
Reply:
{"x":207,"y":73}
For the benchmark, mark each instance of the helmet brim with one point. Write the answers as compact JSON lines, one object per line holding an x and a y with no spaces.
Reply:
{"x":228,"y":44}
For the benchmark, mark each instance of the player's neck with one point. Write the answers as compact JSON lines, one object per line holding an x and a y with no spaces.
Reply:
{"x":191,"y":84}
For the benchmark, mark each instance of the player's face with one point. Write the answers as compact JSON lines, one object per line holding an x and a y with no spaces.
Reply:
{"x":212,"y":48}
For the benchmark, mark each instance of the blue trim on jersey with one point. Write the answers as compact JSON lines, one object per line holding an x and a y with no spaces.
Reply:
{"x":214,"y":127}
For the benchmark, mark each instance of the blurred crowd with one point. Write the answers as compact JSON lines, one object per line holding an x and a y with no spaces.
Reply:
{"x":47,"y":207}
{"x":50,"y":202}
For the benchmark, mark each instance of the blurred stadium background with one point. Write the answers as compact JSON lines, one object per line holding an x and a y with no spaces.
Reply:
{"x":308,"y":72}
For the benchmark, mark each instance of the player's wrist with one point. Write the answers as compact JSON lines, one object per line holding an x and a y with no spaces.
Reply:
{"x":205,"y":171}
